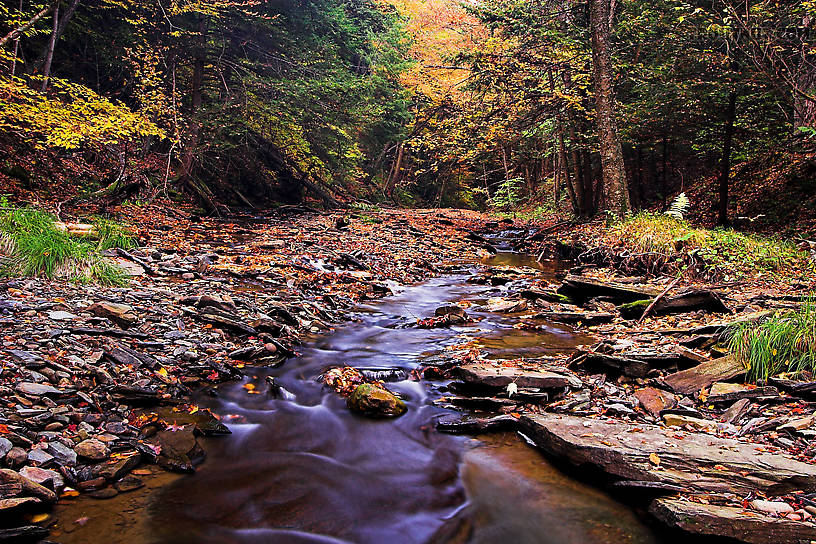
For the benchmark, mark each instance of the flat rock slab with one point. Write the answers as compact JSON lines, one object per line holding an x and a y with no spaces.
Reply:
{"x":732,"y":522}
{"x":698,"y":461}
{"x":583,"y":288}
{"x":501,"y":377}
{"x":687,"y":382}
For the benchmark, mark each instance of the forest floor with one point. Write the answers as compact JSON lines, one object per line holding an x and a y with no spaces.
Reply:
{"x":97,"y":380}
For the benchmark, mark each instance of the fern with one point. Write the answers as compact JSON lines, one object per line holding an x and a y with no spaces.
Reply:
{"x":679,"y":207}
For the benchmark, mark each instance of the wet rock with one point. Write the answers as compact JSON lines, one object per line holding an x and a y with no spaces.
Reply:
{"x":115,"y":469}
{"x":92,"y":449}
{"x":179,"y":449}
{"x":203,"y":420}
{"x":59,"y":315}
{"x":771,"y":507}
{"x":16,"y":457}
{"x":689,"y":300}
{"x":23,"y":535}
{"x":39,"y":457}
{"x":587,"y":318}
{"x":582,"y":288}
{"x":5,"y":447}
{"x":478,"y":425}
{"x":798,"y":424}
{"x":105,"y":493}
{"x":456,"y":315}
{"x":129,"y":483}
{"x":503,"y":305}
{"x":371,"y":400}
{"x":677,"y":420}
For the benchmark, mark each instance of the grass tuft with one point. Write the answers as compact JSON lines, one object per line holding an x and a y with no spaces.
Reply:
{"x":31,"y":245}
{"x":785,"y":343}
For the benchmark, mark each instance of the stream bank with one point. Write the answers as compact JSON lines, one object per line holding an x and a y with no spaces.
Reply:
{"x":227,"y":303}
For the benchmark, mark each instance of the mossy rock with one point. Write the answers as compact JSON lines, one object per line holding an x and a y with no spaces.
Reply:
{"x":373,"y":401}
{"x":633,"y":310}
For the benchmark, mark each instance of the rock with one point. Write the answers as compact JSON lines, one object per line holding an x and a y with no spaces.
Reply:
{"x":105,"y":493}
{"x":686,"y":301}
{"x":581,"y":288}
{"x":203,"y":419}
{"x":587,"y":318}
{"x":503,"y":305}
{"x":5,"y":447}
{"x":92,"y":449}
{"x":771,"y":507}
{"x":727,"y":392}
{"x":62,"y":453}
{"x":370,"y":400}
{"x":798,"y":424}
{"x":59,"y":315}
{"x":16,"y":457}
{"x":478,"y":374}
{"x":624,"y":449}
{"x":731,"y":522}
{"x":10,"y":506}
{"x":456,"y":315}
{"x":9,"y":478}
{"x":38,"y":456}
{"x":687,"y":382}
{"x":47,"y":478}
{"x":115,"y":469}
{"x":735,"y":412}
{"x":23,"y":535}
{"x":595,"y":361}
{"x":37,"y":389}
{"x":129,"y":483}
{"x":121,"y":314}
{"x":676,"y":420}
{"x":478,"y":425}
{"x":179,"y":448}
{"x":653,"y":400}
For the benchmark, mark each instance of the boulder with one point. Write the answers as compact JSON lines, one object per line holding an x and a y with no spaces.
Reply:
{"x":92,"y":449}
{"x":371,"y":400}
{"x":687,"y":382}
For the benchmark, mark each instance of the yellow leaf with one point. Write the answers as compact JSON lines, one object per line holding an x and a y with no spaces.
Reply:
{"x":655,"y":459}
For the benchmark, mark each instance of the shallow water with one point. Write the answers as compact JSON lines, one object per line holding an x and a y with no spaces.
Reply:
{"x":305,"y":469}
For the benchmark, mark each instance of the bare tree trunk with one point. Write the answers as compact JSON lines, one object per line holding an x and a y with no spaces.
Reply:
{"x":197,"y":82}
{"x":16,"y":45}
{"x":47,"y":53}
{"x":612,"y":165}
{"x":50,"y":54}
{"x":725,"y":163}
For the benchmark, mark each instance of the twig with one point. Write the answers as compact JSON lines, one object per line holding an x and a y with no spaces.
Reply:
{"x":657,"y":299}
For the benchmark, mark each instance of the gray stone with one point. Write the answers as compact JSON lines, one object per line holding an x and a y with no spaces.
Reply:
{"x":36,"y":389}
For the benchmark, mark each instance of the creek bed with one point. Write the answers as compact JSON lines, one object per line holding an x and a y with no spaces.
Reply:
{"x":305,"y":469}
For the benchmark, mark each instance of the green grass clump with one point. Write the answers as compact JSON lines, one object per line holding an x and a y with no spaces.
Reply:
{"x":716,"y":249}
{"x":110,"y":234}
{"x":32,"y":245}
{"x":785,"y":343}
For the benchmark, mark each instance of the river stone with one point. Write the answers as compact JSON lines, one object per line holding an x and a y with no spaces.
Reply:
{"x":9,"y":478}
{"x":38,"y":456}
{"x":179,"y":448}
{"x":654,"y":400}
{"x":5,"y":447}
{"x":59,"y":315}
{"x":370,"y":400}
{"x":36,"y":389}
{"x":114,"y":469}
{"x":45,"y":477}
{"x":62,"y":453}
{"x":16,"y":457}
{"x":121,"y":314}
{"x":92,"y":449}
{"x":479,"y":374}
{"x":456,"y":315}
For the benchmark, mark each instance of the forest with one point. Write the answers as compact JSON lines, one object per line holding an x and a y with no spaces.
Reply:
{"x":568,"y":106}
{"x":407,"y":271}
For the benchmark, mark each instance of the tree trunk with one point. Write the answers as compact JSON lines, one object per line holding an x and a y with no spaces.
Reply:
{"x":197,"y":82}
{"x":612,"y":165}
{"x":50,"y":54}
{"x":725,"y":162}
{"x":46,"y":57}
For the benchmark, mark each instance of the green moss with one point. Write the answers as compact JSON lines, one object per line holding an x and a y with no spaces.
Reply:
{"x":633,"y":310}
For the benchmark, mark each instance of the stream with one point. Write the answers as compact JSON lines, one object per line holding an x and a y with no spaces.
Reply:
{"x":302,"y":468}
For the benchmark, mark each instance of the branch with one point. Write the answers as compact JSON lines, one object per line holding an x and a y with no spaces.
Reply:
{"x":33,"y":21}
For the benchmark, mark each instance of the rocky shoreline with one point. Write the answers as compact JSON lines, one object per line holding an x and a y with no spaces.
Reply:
{"x":657,"y":405}
{"x":97,"y":381}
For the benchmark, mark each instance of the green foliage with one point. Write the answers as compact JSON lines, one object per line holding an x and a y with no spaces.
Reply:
{"x":33,"y":246}
{"x":110,"y":234}
{"x":507,"y":195}
{"x":669,"y":238}
{"x":783,"y":343}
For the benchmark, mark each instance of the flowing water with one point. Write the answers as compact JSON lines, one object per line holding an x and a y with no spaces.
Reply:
{"x":304,"y":469}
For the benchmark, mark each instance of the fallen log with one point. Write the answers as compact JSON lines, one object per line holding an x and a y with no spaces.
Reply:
{"x":581,"y":289}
